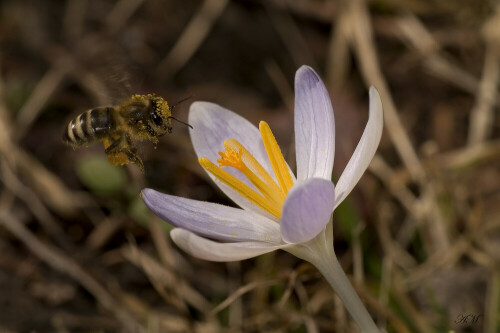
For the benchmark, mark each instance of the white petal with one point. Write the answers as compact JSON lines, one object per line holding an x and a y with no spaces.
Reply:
{"x":314,"y":126}
{"x":365,"y":150}
{"x":209,"y":250}
{"x":212,"y":124}
{"x":212,"y":220}
{"x":307,"y":210}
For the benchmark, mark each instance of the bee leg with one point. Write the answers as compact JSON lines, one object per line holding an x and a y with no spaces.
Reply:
{"x":112,"y":147}
{"x":135,"y":159}
{"x":125,"y":147}
{"x":132,"y":153}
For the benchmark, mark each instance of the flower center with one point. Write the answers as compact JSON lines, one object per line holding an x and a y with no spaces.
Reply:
{"x":270,"y":195}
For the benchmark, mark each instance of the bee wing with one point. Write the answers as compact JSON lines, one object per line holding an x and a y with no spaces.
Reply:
{"x":109,"y":70}
{"x":117,"y":78}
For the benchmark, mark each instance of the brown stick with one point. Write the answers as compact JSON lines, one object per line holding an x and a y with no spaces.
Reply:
{"x":195,"y":33}
{"x":481,"y":120}
{"x":62,"y":263}
{"x":365,"y":52}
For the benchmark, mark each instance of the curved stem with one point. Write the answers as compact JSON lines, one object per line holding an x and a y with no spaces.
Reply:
{"x":319,"y":252}
{"x":334,"y":274}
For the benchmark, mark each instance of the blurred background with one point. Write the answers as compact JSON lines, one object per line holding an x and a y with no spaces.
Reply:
{"x":419,"y":236}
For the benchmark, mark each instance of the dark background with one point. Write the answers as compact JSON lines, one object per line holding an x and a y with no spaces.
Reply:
{"x":419,"y":235}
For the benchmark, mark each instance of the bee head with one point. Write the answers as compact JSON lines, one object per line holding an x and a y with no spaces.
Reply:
{"x":160,"y":116}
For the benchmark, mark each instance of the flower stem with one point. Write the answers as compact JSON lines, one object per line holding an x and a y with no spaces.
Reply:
{"x":319,"y":252}
{"x":334,"y":274}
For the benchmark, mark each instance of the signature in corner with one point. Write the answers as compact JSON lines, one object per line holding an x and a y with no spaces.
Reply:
{"x":468,"y":319}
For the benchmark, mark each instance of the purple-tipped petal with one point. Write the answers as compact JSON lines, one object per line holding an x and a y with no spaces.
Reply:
{"x":365,"y":150}
{"x":307,"y":210}
{"x":209,"y":250}
{"x":212,"y":220}
{"x":314,"y":126}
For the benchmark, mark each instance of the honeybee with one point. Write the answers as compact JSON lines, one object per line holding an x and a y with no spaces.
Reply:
{"x":140,"y":118}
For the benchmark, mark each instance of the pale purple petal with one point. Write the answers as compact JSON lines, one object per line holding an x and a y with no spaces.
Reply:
{"x":212,"y":220}
{"x":210,"y":250}
{"x":365,"y":150}
{"x":307,"y":210}
{"x":314,"y":126}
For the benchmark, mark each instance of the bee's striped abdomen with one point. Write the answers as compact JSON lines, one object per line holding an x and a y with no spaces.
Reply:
{"x":89,"y":126}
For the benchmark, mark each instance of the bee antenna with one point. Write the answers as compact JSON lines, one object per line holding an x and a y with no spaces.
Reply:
{"x":179,"y":102}
{"x":179,"y":121}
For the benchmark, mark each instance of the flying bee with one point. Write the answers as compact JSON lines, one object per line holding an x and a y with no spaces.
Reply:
{"x":140,"y":118}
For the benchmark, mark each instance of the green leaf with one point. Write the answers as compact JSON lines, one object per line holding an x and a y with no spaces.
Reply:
{"x":139,"y":211}
{"x":347,"y":218}
{"x":99,"y":176}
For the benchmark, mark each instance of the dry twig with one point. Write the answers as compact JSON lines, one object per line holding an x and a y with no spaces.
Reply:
{"x":120,"y":14}
{"x":291,"y":36}
{"x":164,"y":278}
{"x":481,"y":121}
{"x":366,"y":54}
{"x":241,"y":291}
{"x":45,"y":88}
{"x":64,"y":264}
{"x":193,"y":36}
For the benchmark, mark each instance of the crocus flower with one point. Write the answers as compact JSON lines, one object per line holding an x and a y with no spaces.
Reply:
{"x":277,"y":210}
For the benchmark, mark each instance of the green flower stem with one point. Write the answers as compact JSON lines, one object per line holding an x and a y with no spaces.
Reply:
{"x":319,"y":252}
{"x":334,"y":274}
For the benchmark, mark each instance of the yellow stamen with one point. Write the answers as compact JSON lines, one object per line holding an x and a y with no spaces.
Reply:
{"x":276,"y":157}
{"x":272,"y":195}
{"x":231,"y":158}
{"x":240,"y":187}
{"x":255,"y":167}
